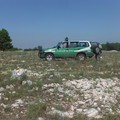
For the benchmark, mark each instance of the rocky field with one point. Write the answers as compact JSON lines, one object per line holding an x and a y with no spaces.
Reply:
{"x":63,"y":89}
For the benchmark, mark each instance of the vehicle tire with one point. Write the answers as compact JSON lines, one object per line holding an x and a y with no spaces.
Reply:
{"x":81,"y":56}
{"x":49,"y":57}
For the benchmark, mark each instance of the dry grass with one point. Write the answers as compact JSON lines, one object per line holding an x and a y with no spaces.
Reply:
{"x":48,"y":72}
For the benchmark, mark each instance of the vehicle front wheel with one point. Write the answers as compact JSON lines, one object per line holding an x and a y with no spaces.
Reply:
{"x":49,"y":57}
{"x":81,"y":57}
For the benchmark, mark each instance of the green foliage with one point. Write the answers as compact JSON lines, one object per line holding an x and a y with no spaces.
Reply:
{"x":5,"y":40}
{"x":8,"y":109}
{"x":31,"y":49}
{"x":111,"y":46}
{"x":36,"y":110}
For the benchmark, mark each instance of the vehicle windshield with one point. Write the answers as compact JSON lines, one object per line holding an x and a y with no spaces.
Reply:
{"x":59,"y":44}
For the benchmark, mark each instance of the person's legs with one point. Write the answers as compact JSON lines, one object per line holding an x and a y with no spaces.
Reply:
{"x":96,"y":56}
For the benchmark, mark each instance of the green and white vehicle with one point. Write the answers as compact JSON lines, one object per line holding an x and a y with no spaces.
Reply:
{"x":74,"y":49}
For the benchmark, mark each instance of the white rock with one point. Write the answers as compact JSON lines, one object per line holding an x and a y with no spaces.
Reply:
{"x":18,"y":73}
{"x":79,"y":110}
{"x":72,"y":108}
{"x":75,"y":97}
{"x":2,"y":89}
{"x":19,"y":101}
{"x":6,"y":98}
{"x":51,"y":90}
{"x":98,"y":109}
{"x":10,"y":87}
{"x":15,"y":105}
{"x":36,"y":88}
{"x":92,"y":112}
{"x":95,"y":104}
{"x":98,"y":116}
{"x":24,"y":82}
{"x":78,"y":86}
{"x":60,"y":89}
{"x":87,"y":86}
{"x":68,"y":114}
{"x":73,"y":83}
{"x":29,"y":82}
{"x":13,"y":92}
{"x":3,"y":105}
{"x":81,"y":102}
{"x":40,"y":118}
{"x":68,"y":84}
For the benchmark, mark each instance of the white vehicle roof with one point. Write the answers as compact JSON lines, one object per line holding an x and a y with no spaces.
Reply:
{"x":77,"y":41}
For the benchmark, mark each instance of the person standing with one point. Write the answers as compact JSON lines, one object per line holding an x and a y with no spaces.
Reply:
{"x":98,"y":51}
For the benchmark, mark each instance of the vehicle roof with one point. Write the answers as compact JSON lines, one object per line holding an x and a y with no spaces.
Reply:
{"x":77,"y":41}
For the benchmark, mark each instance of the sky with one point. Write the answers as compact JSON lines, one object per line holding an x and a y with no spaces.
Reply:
{"x":31,"y":23}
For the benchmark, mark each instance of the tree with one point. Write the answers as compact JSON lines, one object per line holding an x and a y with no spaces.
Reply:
{"x":5,"y":40}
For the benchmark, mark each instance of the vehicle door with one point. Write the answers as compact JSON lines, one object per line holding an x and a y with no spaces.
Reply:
{"x":62,"y":50}
{"x":73,"y":46}
{"x":85,"y":47}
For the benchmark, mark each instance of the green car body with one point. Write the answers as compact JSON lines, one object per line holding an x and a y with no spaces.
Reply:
{"x":79,"y":49}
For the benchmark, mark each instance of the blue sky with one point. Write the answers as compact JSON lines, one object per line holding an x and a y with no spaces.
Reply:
{"x":46,"y":22}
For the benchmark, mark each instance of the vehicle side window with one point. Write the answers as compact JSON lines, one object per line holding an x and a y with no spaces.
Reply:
{"x":73,"y":45}
{"x":83,"y":44}
{"x":63,"y":45}
{"x":87,"y":45}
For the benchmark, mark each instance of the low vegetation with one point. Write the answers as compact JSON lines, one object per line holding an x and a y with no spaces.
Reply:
{"x":49,"y":90}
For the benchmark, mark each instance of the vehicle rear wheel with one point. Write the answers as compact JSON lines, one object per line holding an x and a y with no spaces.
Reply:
{"x":49,"y":57}
{"x":81,"y":57}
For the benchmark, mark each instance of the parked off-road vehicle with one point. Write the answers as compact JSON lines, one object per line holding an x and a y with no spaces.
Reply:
{"x":74,"y":49}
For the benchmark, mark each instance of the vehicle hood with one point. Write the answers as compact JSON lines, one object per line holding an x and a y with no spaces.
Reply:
{"x":50,"y":49}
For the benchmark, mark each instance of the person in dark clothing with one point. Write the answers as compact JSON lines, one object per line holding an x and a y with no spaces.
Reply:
{"x":98,"y":51}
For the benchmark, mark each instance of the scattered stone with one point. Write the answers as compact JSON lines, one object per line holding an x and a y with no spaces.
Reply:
{"x":79,"y":110}
{"x":40,"y":118}
{"x":10,"y":87}
{"x":19,"y":73}
{"x":60,"y":89}
{"x":17,"y":103}
{"x":91,"y":97}
{"x":68,"y":83}
{"x":29,"y":82}
{"x":68,"y":114}
{"x":3,"y":105}
{"x":2,"y":89}
{"x":92,"y":112}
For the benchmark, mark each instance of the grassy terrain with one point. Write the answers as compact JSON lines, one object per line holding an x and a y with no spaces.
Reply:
{"x":36,"y":101}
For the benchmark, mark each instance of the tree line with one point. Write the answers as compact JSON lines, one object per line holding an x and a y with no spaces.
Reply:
{"x":111,"y":46}
{"x":6,"y":43}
